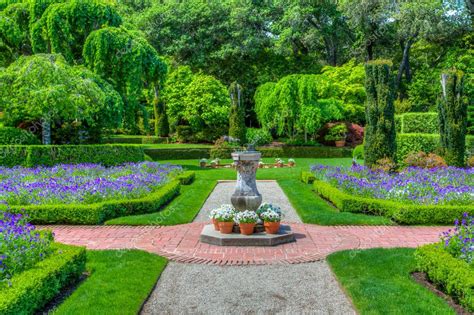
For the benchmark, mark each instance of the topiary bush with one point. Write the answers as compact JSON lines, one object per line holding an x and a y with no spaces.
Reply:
{"x":237,"y":114}
{"x":358,"y":152}
{"x":379,"y":140}
{"x":418,"y":122}
{"x":452,"y":109}
{"x":10,"y":135}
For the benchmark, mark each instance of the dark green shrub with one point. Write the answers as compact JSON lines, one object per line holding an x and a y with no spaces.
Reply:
{"x":379,"y":140}
{"x":454,"y":276}
{"x":162,"y":126}
{"x":178,"y":153}
{"x":32,"y":289}
{"x":398,"y":212}
{"x":98,"y":213}
{"x":419,"y":123}
{"x":237,"y":114}
{"x":258,"y":136}
{"x":452,"y":109}
{"x":184,"y":133}
{"x":398,"y":123}
{"x":222,"y":149}
{"x":107,"y":155}
{"x":154,"y":140}
{"x":16,"y":136}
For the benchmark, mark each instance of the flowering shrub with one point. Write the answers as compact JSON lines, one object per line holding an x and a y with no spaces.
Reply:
{"x":225,"y":215}
{"x":421,"y":159}
{"x":266,"y":206}
{"x":437,"y":186}
{"x":246,"y":216}
{"x":459,"y":242}
{"x":270,"y":216}
{"x":385,"y":165}
{"x":21,"y":245}
{"x":83,"y":183}
{"x":470,"y":161}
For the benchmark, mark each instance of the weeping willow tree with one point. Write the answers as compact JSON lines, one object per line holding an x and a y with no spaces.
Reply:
{"x":129,"y":63}
{"x":63,"y":27}
{"x":296,"y":105}
{"x":43,"y":90}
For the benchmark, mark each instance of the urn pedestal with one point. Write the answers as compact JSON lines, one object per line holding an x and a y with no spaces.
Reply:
{"x":246,"y":195}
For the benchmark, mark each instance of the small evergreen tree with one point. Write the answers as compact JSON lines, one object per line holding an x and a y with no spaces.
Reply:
{"x":452,"y":113}
{"x":380,"y":129}
{"x":162,"y":127}
{"x":237,"y":114}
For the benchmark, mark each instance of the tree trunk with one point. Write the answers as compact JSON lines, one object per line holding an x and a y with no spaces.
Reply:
{"x":370,"y":51}
{"x":46,"y":130}
{"x":404,"y":65}
{"x":155,"y":108}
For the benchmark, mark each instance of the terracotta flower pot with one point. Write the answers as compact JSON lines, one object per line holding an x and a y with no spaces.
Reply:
{"x":246,"y":228}
{"x":214,"y":165}
{"x":261,"y":165}
{"x":271,"y":227}
{"x":216,"y":224}
{"x":278,"y":164}
{"x":291,"y":164}
{"x":226,"y":227}
{"x":202,"y":164}
{"x":340,"y":143}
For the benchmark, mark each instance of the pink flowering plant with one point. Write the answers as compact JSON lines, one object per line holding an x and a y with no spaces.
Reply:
{"x":459,"y":241}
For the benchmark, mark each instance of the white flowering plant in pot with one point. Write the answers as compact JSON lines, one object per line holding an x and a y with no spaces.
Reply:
{"x":266,"y":206}
{"x":225,"y":215}
{"x":270,"y":216}
{"x":246,"y":216}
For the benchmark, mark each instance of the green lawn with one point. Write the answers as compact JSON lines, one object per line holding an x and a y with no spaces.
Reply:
{"x":118,"y":284}
{"x":310,"y":207}
{"x":379,"y":282}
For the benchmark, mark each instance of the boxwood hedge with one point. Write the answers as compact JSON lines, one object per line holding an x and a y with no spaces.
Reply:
{"x":418,"y":123}
{"x":186,"y":178}
{"x":399,"y":212}
{"x":11,"y":136}
{"x":454,"y":276}
{"x":34,"y":155}
{"x":32,"y":289}
{"x":98,"y":213}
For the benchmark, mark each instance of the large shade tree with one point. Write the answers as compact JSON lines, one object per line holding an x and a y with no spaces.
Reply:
{"x":129,"y":63}
{"x":45,"y":91}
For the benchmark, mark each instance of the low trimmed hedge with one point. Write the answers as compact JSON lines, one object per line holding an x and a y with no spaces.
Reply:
{"x":98,"y":213}
{"x":270,"y":152}
{"x":307,"y":177}
{"x":16,"y":136}
{"x":418,"y":123}
{"x":399,"y":212}
{"x":186,"y":178}
{"x":32,"y":289}
{"x":428,"y":143}
{"x":454,"y":276}
{"x":49,"y":155}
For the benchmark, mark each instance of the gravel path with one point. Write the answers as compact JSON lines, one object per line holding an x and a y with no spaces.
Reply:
{"x":270,"y":191}
{"x":272,"y":289}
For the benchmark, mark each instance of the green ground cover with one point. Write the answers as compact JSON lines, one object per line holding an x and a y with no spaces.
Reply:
{"x":310,"y":207}
{"x":119,"y":282}
{"x":379,"y":282}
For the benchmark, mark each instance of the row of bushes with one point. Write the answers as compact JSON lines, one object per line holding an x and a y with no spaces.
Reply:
{"x":186,"y":178}
{"x":415,"y":142}
{"x":417,"y":123}
{"x":98,"y":213}
{"x":10,"y":136}
{"x":454,"y":276}
{"x":398,"y":212}
{"x":32,"y":289}
{"x":30,"y":156}
{"x":285,"y":151}
{"x":137,"y":140}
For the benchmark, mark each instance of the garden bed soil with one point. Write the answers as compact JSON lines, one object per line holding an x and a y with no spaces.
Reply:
{"x":421,"y":278}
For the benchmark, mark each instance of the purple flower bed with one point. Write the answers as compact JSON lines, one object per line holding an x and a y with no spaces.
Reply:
{"x":83,"y":183}
{"x":443,"y":186}
{"x":459,"y":241}
{"x":21,"y":245}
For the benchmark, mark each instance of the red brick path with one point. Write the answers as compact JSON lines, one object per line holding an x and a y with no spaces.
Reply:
{"x":181,"y":242}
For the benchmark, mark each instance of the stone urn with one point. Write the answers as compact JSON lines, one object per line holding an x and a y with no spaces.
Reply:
{"x":246,"y":195}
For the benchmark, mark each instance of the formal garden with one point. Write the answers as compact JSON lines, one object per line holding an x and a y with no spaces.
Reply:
{"x":249,"y":157}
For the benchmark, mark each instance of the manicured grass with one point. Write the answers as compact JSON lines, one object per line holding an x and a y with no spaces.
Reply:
{"x":119,"y":282}
{"x":310,"y":207}
{"x":379,"y":282}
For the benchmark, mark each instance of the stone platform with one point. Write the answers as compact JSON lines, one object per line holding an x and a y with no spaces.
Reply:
{"x":210,"y":236}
